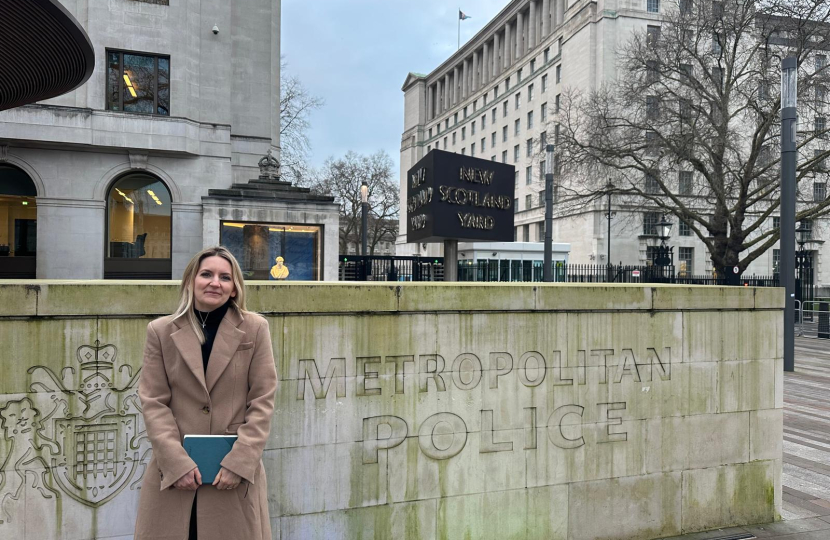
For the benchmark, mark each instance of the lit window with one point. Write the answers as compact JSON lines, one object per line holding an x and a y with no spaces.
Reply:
{"x":138,"y":83}
{"x":291,"y":252}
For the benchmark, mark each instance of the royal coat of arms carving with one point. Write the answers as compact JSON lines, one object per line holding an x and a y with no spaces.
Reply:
{"x":78,"y":433}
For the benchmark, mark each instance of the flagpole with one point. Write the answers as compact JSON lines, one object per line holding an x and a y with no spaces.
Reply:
{"x":459,"y":29}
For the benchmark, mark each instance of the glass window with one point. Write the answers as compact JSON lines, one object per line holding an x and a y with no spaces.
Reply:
{"x":516,"y":183}
{"x":454,"y":133}
{"x":685,"y":183}
{"x":493,"y":115}
{"x":556,"y":103}
{"x":650,"y":221}
{"x":530,"y":120}
{"x":518,"y":98}
{"x":483,"y":121}
{"x":652,"y":35}
{"x":473,"y":128}
{"x":138,"y":83}
{"x":516,"y":204}
{"x":528,"y":180}
{"x":517,"y":127}
{"x":819,"y":191}
{"x":493,"y":140}
{"x":483,"y":146}
{"x":516,"y":154}
{"x":464,"y":134}
{"x":544,"y":112}
{"x":820,"y":126}
{"x":18,"y":224}
{"x":530,"y":92}
{"x":533,"y":66}
{"x":558,"y":73}
{"x":455,"y":118}
{"x":653,"y":6}
{"x":529,"y":150}
{"x":652,"y":185}
{"x":473,"y":149}
{"x":274,"y":251}
{"x":504,"y":134}
{"x":684,"y":229}
{"x":504,"y":156}
{"x":526,"y":233}
{"x":528,"y":202}
{"x":139,"y":218}
{"x":686,"y":260}
{"x":543,"y":141}
{"x":544,"y":83}
{"x":504,"y":109}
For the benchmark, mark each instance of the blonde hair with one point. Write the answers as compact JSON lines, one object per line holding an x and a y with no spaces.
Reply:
{"x":187,"y":290}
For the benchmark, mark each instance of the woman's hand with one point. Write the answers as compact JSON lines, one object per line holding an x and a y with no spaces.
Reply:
{"x":190,"y":481}
{"x":226,"y":479}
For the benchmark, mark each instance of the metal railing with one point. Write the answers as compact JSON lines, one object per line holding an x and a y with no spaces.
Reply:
{"x":390,"y":268}
{"x":812,"y":319}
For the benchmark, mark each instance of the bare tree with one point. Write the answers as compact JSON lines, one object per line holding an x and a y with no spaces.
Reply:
{"x":296,"y":106}
{"x":691,"y":126}
{"x":342,"y":179}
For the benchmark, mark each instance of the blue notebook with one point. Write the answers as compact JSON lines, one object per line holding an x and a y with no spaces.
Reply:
{"x":208,"y":451}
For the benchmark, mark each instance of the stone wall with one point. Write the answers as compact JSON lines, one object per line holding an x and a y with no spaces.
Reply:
{"x":421,"y":411}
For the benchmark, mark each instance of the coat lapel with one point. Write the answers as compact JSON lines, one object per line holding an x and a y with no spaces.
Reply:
{"x":189,"y":347}
{"x":228,"y":338}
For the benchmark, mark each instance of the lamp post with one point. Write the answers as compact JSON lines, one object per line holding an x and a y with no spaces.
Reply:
{"x":801,"y":261}
{"x":664,"y":258}
{"x":608,"y":215}
{"x":789,"y":121}
{"x":547,"y":271}
{"x":364,"y":203}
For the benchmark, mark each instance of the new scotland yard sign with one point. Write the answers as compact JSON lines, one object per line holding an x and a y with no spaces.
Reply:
{"x":452,"y":196}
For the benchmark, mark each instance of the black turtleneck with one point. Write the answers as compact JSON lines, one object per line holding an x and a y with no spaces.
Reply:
{"x":212,"y":320}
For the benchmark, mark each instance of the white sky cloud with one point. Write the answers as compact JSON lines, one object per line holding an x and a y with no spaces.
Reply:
{"x":356,"y":54}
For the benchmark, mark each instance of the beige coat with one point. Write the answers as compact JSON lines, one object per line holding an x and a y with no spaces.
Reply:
{"x":236,"y":395}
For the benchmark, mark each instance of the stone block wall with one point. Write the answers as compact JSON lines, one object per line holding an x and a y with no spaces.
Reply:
{"x":421,"y":411}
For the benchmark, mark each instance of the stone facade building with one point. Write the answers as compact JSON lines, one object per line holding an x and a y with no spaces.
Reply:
{"x":114,"y":179}
{"x":498,"y":98}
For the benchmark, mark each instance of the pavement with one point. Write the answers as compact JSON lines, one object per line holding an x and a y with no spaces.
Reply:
{"x":805,"y":511}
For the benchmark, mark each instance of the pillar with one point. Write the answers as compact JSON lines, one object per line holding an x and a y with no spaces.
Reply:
{"x":496,"y":63}
{"x":485,"y":64}
{"x":454,"y":86}
{"x":545,"y":18}
{"x":531,"y":29}
{"x":466,"y":87}
{"x":508,"y":57}
{"x":430,"y":112}
{"x":474,"y":80}
{"x":447,"y":91}
{"x":520,"y":30}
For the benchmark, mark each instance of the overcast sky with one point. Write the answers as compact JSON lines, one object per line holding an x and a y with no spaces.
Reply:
{"x":355,"y":54}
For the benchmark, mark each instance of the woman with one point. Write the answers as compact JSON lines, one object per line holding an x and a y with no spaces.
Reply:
{"x":208,"y":369}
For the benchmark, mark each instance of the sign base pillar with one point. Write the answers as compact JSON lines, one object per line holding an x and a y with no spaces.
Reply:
{"x":450,"y":260}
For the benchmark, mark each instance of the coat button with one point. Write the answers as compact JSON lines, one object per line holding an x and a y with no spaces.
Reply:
{"x":206,"y":409}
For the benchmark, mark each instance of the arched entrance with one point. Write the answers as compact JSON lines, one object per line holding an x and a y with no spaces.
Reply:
{"x":139,"y":228}
{"x":18,"y":224}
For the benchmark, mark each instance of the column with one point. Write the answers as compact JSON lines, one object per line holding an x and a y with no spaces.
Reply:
{"x":430,"y":112}
{"x":455,"y":99}
{"x":520,"y":31}
{"x":495,"y":71}
{"x":508,"y":57}
{"x":447,"y":91}
{"x":560,"y":11}
{"x":545,"y":18}
{"x":485,"y":64}
{"x":531,"y":29}
{"x":474,"y":74}
{"x":466,"y":87}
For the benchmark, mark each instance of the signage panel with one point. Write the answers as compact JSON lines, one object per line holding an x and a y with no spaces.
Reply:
{"x":452,"y":196}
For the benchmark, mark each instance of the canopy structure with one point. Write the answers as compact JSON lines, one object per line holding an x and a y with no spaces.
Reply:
{"x":45,"y":52}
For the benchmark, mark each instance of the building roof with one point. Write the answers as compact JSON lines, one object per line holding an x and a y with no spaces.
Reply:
{"x":45,"y":52}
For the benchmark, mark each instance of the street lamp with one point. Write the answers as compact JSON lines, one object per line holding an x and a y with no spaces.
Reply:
{"x":364,"y":202}
{"x":608,"y":215}
{"x":663,"y":258}
{"x":547,"y":271}
{"x":789,"y":121}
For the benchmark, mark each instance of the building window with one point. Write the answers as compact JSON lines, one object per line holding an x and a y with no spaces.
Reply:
{"x":530,"y":120}
{"x":139,"y":225}
{"x":516,"y":154}
{"x":464,"y":134}
{"x":518,"y":98}
{"x":686,"y":260}
{"x":652,"y":186}
{"x":473,"y":149}
{"x":685,"y":7}
{"x":684,"y":229}
{"x":517,"y":127}
{"x":504,"y":156}
{"x":776,"y":261}
{"x":559,"y":74}
{"x":529,"y":150}
{"x":541,"y":177}
{"x":776,"y":222}
{"x":684,"y":183}
{"x":528,"y":176}
{"x":493,"y":115}
{"x":528,"y":201}
{"x":556,"y":134}
{"x":473,"y":128}
{"x":445,"y":143}
{"x":516,"y":204}
{"x":653,"y":6}
{"x":820,"y":163}
{"x":493,"y":157}
{"x":506,"y":84}
{"x":819,"y":191}
{"x":717,"y":44}
{"x":504,"y":134}
{"x":18,"y":226}
{"x":493,"y":140}
{"x":530,"y":92}
{"x":544,"y":112}
{"x":504,"y":109}
{"x":820,"y":126}
{"x":717,"y":77}
{"x":652,"y":35}
{"x":652,"y":71}
{"x":483,"y":147}
{"x":544,"y":83}
{"x":526,"y":233}
{"x":465,"y":112}
{"x":455,"y":118}
{"x":650,"y":221}
{"x":464,"y":151}
{"x":652,"y":107}
{"x":651,"y":142}
{"x":138,"y":83}
{"x":556,"y":103}
{"x":429,"y":136}
{"x":446,"y":124}
{"x":821,"y":62}
{"x":533,"y":66}
{"x":483,"y":121}
{"x":543,"y":141}
{"x":258,"y":246}
{"x":454,"y":133}
{"x":547,"y":55}
{"x":429,"y":147}
{"x":495,"y":93}
{"x":540,"y":230}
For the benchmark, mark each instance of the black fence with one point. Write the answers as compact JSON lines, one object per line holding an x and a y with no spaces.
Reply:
{"x":389,"y":268}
